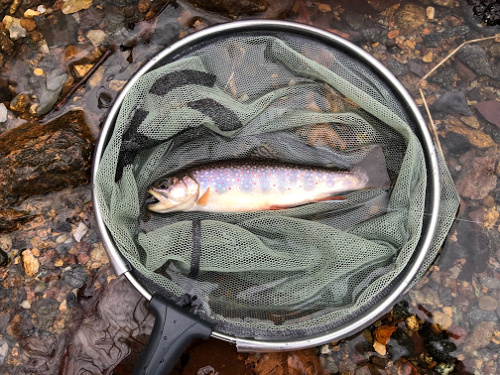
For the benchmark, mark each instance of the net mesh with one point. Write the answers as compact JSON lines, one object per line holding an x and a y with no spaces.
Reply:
{"x":269,"y":274}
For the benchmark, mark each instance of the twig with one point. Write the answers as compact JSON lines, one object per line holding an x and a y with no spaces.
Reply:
{"x":164,"y":6}
{"x":79,"y":84}
{"x":432,"y":125}
{"x":452,"y":53}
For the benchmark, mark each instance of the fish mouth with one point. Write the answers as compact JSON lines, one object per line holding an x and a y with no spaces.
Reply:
{"x":153,"y":198}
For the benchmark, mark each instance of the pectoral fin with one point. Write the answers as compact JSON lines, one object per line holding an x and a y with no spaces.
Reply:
{"x":204,"y":198}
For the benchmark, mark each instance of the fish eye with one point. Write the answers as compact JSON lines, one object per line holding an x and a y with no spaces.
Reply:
{"x":163,"y":185}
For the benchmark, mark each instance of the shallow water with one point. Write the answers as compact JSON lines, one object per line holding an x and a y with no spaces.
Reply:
{"x":73,"y":316}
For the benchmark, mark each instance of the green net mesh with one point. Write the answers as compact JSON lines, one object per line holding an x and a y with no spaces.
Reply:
{"x":269,"y":274}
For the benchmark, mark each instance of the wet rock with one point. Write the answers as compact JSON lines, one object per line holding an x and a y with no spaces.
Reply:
{"x":416,"y":68}
{"x":91,"y":17}
{"x":50,"y":92}
{"x":373,"y":33}
{"x":28,"y":24}
{"x":476,"y":316}
{"x":478,"y":178}
{"x":445,"y":78}
{"x":30,"y":263}
{"x":456,"y":144}
{"x":444,"y":3}
{"x":452,"y":102}
{"x":73,"y":6}
{"x":442,"y":319}
{"x":355,"y":20}
{"x":488,"y":303}
{"x":14,"y":26}
{"x":20,"y":103}
{"x":490,"y":110}
{"x":96,"y":37}
{"x":107,"y":336}
{"x":75,"y":277}
{"x":480,"y":336}
{"x":6,"y":45}
{"x":59,"y":31}
{"x":441,"y":350}
{"x":401,"y":345}
{"x":61,"y":151}
{"x":370,"y":369}
{"x":4,"y":349}
{"x":396,"y":67}
{"x":409,"y":17}
{"x":232,"y":8}
{"x":490,"y":282}
{"x":476,"y":58}
{"x":3,"y":112}
{"x":46,"y":310}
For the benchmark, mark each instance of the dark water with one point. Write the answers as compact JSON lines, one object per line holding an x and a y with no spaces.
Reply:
{"x":72,"y":317}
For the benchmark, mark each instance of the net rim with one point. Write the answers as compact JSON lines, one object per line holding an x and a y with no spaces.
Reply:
{"x":121,"y":266}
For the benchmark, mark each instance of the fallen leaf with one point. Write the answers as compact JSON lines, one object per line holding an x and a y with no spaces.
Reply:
{"x":383,"y":334}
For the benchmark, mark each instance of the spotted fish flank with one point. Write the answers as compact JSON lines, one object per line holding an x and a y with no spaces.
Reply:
{"x":238,"y":186}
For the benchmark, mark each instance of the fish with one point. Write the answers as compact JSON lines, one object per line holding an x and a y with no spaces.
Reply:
{"x":253,"y":185}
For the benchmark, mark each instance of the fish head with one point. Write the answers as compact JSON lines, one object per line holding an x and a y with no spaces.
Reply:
{"x":174,"y":194}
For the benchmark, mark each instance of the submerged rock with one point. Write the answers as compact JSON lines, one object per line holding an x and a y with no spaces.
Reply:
{"x":38,"y":159}
{"x":232,"y":8}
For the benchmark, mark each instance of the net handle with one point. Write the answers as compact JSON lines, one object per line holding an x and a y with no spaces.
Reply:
{"x":173,"y":330}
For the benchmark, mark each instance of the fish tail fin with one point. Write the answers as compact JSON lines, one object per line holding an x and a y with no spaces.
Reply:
{"x":373,"y":165}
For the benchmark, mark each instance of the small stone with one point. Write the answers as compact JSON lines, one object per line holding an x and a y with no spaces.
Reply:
{"x":117,"y":85}
{"x":480,"y":336}
{"x":20,"y":103}
{"x":4,"y":349}
{"x":38,"y":72}
{"x":490,"y":282}
{"x":409,"y":17}
{"x":472,"y":121}
{"x":392,"y":34}
{"x":30,"y":13}
{"x":488,"y":303}
{"x":452,"y":102}
{"x":26,"y":304}
{"x":442,"y":319}
{"x":428,"y":57}
{"x":324,"y":8}
{"x":478,"y":178}
{"x":96,"y":37}
{"x":41,"y":9}
{"x":75,"y":277}
{"x":28,"y":24}
{"x":14,"y":26}
{"x":73,"y":6}
{"x":3,"y":113}
{"x":5,"y":242}
{"x":81,"y":230}
{"x":379,"y":348}
{"x":30,"y":263}
{"x":444,"y":3}
{"x":412,"y":323}
{"x":430,"y":12}
{"x":98,"y":254}
{"x":81,"y":70}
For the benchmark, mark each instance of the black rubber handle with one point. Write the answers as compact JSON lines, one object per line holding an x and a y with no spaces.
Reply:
{"x":174,"y":329}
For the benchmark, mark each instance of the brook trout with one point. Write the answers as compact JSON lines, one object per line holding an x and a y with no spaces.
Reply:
{"x":237,"y":186}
